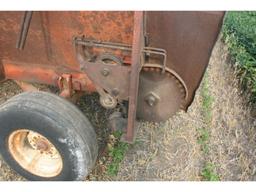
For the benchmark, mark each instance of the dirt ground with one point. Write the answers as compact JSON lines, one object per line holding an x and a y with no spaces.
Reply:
{"x":170,"y":150}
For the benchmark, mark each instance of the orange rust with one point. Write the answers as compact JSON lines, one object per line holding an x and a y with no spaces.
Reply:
{"x":46,"y":75}
{"x":49,"y":43}
{"x":65,"y":84}
{"x":2,"y":75}
{"x":65,"y":93}
{"x":50,"y":37}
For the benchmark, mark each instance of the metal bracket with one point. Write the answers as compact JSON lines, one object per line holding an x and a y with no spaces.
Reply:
{"x":147,"y":51}
{"x":65,"y":85}
{"x":120,"y":81}
{"x":113,"y":78}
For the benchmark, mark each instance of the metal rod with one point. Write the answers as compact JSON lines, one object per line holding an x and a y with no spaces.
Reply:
{"x":24,"y":30}
{"x":2,"y":73}
{"x":124,"y":47}
{"x":111,"y":45}
{"x":104,"y":44}
{"x":137,"y":47}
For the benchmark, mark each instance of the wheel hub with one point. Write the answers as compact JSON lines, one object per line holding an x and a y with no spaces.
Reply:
{"x":41,"y":145}
{"x":35,"y":153}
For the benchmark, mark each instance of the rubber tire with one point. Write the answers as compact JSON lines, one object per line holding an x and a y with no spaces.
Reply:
{"x":61,"y":122}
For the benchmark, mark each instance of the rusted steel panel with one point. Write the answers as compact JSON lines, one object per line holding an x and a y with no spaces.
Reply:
{"x":49,"y":40}
{"x":24,"y":29}
{"x":188,"y":38}
{"x":34,"y":50}
{"x":102,"y":26}
{"x":46,"y":75}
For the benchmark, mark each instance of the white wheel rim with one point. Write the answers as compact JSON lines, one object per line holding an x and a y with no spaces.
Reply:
{"x":35,"y":153}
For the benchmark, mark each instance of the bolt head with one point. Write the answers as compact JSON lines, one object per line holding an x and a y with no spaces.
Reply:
{"x":151,"y":99}
{"x":105,"y":72}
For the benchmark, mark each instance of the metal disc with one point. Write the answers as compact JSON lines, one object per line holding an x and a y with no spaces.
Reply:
{"x":160,"y":96}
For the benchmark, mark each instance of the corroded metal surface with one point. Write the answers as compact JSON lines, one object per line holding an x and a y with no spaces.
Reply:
{"x":49,"y":40}
{"x":35,"y":153}
{"x":46,"y":75}
{"x":188,"y":38}
{"x":161,"y":95}
{"x":24,"y":29}
{"x":2,"y":76}
{"x":137,"y":62}
{"x":184,"y":38}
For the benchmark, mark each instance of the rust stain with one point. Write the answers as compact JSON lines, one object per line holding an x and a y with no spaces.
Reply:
{"x":2,"y":74}
{"x":46,"y":75}
{"x":188,"y":38}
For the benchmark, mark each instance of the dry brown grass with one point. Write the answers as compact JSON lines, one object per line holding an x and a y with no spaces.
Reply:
{"x":167,"y":151}
{"x":176,"y":152}
{"x":232,"y":127}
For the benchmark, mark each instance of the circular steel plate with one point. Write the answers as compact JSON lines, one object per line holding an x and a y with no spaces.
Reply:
{"x":160,"y":96}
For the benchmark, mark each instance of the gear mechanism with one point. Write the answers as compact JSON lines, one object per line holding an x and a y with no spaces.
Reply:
{"x":160,"y":96}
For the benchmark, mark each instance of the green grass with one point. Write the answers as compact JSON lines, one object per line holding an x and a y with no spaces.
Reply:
{"x":207,"y":172}
{"x":116,"y":153}
{"x":203,"y":140}
{"x":207,"y":100}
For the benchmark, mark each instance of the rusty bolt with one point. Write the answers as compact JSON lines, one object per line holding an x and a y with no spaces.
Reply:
{"x":152,"y":99}
{"x":105,"y":72}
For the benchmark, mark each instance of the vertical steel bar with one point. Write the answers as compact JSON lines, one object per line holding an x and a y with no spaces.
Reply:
{"x":2,"y":75}
{"x":24,"y":30}
{"x":137,"y":46}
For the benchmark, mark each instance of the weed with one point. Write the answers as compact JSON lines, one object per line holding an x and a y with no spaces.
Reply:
{"x":207,"y":100}
{"x":209,"y":174}
{"x":116,"y":153}
{"x":203,"y":139}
